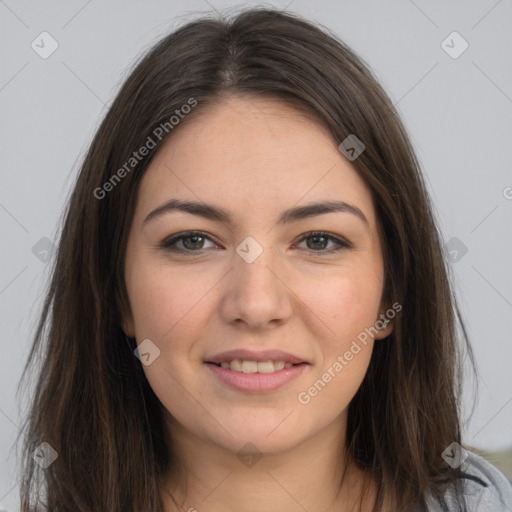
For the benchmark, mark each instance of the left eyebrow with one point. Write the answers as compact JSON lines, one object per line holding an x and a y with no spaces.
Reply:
{"x":313,"y":209}
{"x":291,"y":215}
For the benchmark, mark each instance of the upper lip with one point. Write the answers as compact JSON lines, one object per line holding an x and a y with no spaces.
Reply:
{"x":249,"y":355}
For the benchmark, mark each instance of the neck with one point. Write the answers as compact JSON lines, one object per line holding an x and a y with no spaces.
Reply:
{"x":308,"y":476}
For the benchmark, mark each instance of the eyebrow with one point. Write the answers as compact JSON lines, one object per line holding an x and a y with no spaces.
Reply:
{"x":218,"y":214}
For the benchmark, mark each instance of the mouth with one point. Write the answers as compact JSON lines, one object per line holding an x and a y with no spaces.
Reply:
{"x":250,"y":366}
{"x":251,"y":378}
{"x":255,"y":372}
{"x":250,"y":361}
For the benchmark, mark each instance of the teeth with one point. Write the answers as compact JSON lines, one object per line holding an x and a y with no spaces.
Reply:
{"x":255,"y":366}
{"x":249,"y":366}
{"x":236,"y":365}
{"x":264,"y":367}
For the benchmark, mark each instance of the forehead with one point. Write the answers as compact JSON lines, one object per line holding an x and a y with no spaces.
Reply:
{"x":252,"y":154}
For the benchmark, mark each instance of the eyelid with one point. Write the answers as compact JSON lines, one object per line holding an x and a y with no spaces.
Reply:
{"x":168,"y":242}
{"x":340,"y":242}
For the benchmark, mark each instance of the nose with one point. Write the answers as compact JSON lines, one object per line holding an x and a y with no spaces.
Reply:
{"x":256,"y":295}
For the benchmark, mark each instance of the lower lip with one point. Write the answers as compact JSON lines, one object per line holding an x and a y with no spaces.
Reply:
{"x":256,"y":382}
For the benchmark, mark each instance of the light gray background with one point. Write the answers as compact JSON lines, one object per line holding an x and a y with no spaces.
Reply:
{"x":458,"y":112}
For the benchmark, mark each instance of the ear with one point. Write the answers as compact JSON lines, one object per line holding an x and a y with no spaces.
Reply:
{"x":385,"y":323}
{"x":128,"y":328}
{"x":127,"y":323}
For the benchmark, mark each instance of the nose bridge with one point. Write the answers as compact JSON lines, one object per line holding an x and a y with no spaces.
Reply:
{"x":252,"y":264}
{"x":255,"y":293}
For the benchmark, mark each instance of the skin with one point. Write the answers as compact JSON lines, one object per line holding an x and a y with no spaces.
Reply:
{"x":255,"y":158}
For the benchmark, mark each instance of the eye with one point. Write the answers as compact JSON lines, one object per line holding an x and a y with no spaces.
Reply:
{"x":191,"y":241}
{"x":320,"y":241}
{"x":194,"y":241}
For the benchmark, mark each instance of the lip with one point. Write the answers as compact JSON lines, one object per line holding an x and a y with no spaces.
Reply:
{"x":249,"y":355}
{"x":256,"y":382}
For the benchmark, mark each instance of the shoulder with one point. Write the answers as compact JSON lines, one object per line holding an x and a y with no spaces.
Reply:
{"x":485,"y":488}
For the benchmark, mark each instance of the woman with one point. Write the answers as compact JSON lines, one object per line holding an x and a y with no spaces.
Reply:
{"x":250,"y":308}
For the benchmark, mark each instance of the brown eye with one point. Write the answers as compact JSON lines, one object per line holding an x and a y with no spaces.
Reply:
{"x":318,"y":241}
{"x":186,"y":242}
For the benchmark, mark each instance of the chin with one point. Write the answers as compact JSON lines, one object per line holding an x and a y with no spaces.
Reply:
{"x":269,"y":435}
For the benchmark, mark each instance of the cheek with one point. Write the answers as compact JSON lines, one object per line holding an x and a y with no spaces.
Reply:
{"x":166,"y":302}
{"x":349,"y":306}
{"x":347,"y":302}
{"x":170,"y":307}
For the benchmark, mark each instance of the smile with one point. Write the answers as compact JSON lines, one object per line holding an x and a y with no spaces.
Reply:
{"x":246,"y":366}
{"x":256,"y":377}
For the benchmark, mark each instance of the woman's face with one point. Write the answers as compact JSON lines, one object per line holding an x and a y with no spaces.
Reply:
{"x":252,"y":279}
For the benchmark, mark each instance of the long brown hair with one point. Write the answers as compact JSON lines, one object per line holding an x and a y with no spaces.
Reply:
{"x":92,"y":403}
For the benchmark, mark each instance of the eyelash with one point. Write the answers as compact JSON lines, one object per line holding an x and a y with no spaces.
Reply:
{"x":170,"y":242}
